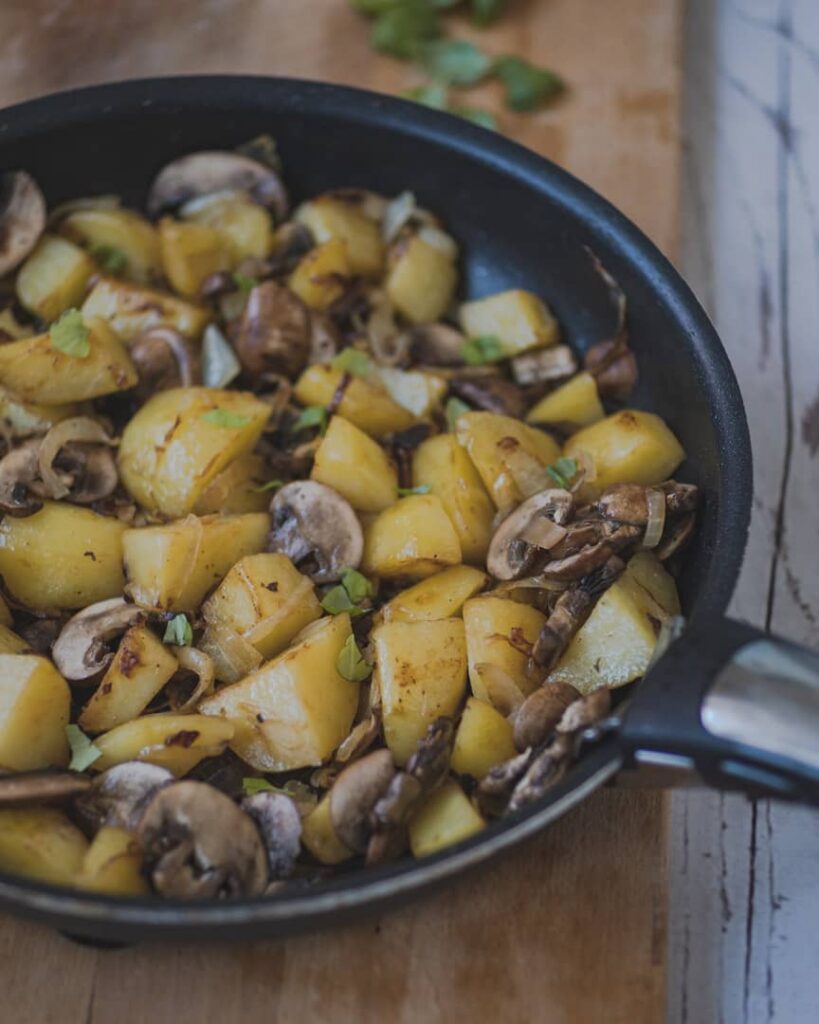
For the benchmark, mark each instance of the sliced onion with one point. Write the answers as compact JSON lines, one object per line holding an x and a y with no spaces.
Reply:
{"x":439,"y":240}
{"x":199,"y":203}
{"x":503,"y":692}
{"x":219,"y":362}
{"x":388,"y":344}
{"x":396,"y":215}
{"x":587,"y":469}
{"x":232,"y":656}
{"x":527,"y":472}
{"x":296,"y":598}
{"x":63,"y":210}
{"x":543,"y":533}
{"x":361,"y":738}
{"x":77,"y":428}
{"x":201,"y":664}
{"x":655,"y":502}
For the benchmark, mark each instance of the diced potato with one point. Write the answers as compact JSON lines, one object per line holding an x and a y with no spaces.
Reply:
{"x":11,"y":643}
{"x":131,"y":310}
{"x":365,"y":404}
{"x":413,"y":538}
{"x":175,"y":742}
{"x":295,"y":710}
{"x":319,"y":837}
{"x":182,"y":439}
{"x":630,"y":447}
{"x":519,"y":320}
{"x":190,"y":253}
{"x":446,"y":818}
{"x":37,"y":371}
{"x":322,"y":275}
{"x":244,"y":227}
{"x":141,"y":667}
{"x":34,"y":711}
{"x":439,"y":597}
{"x":420,"y":392}
{"x":616,"y":643}
{"x":330,"y":217}
{"x":501,"y":632}
{"x":24,"y":419}
{"x":422,"y":674}
{"x":121,"y":231}
{"x":237,"y":488}
{"x":443,"y":465}
{"x":574,"y":404}
{"x":62,"y":557}
{"x":172,"y":567}
{"x":41,"y":843}
{"x":356,"y":466}
{"x":484,"y":739}
{"x":421,"y":281}
{"x":266,"y":600}
{"x":113,"y":864}
{"x":54,"y":277}
{"x":507,"y":454}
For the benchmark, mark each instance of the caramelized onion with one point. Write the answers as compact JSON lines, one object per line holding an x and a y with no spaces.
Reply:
{"x":503,"y":692}
{"x":655,"y":502}
{"x":77,"y":428}
{"x":191,"y":659}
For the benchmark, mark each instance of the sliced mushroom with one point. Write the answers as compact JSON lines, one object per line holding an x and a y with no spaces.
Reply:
{"x":614,"y":367}
{"x":429,"y":763}
{"x":80,"y":651}
{"x":592,"y":557}
{"x":354,"y":794}
{"x":628,"y":503}
{"x":317,"y":529}
{"x":118,"y":796}
{"x":164,"y":359}
{"x":546,"y":366}
{"x":676,"y":535}
{"x":279,"y":824}
{"x":510,"y":555}
{"x":585,"y":711}
{"x":436,"y":344}
{"x":498,"y":784}
{"x":41,"y":787}
{"x":323,"y":339}
{"x":545,"y":769}
{"x":540,"y":712}
{"x":18,"y":470}
{"x":200,"y":174}
{"x":291,"y":242}
{"x":22,"y":218}
{"x":680,"y":498}
{"x":75,"y":460}
{"x":394,"y":807}
{"x":274,"y":333}
{"x":494,"y":394}
{"x":198,"y":843}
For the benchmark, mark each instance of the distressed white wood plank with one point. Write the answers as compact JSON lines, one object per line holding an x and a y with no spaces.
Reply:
{"x":745,"y":890}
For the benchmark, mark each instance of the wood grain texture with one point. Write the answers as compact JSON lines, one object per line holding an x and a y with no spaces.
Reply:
{"x":572,"y":928}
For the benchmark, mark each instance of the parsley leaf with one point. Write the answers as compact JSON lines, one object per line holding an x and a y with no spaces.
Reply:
{"x":312,"y":416}
{"x":485,"y":349}
{"x":354,"y":361}
{"x":356,"y":585}
{"x":405,"y":492}
{"x":337,"y":601}
{"x":70,"y":334}
{"x":484,"y":12}
{"x":83,"y":752}
{"x":271,"y":485}
{"x":251,"y":786}
{"x":225,"y":418}
{"x":351,"y":664}
{"x":178,"y":632}
{"x":433,"y":96}
{"x":109,"y":258}
{"x":454,"y":409}
{"x":403,"y":29}
{"x":563,"y":471}
{"x":347,"y":597}
{"x":244,"y":282}
{"x":527,"y":86}
{"x":455,"y":62}
{"x":482,"y":118}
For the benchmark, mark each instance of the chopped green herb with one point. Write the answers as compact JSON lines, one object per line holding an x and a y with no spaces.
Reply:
{"x":83,"y":752}
{"x":484,"y":12}
{"x":563,"y":472}
{"x":433,"y":96}
{"x":271,"y":485}
{"x":402,"y":29}
{"x":178,"y":632}
{"x":351,"y":664}
{"x":244,"y":282}
{"x":482,"y":118}
{"x":225,"y":418}
{"x":405,"y":492}
{"x":312,"y":416}
{"x":70,"y":334}
{"x":527,"y":86}
{"x":111,"y":259}
{"x":251,"y":786}
{"x":356,"y":585}
{"x":454,"y":409}
{"x":354,"y":361}
{"x":455,"y":62}
{"x":336,"y":601}
{"x":485,"y":349}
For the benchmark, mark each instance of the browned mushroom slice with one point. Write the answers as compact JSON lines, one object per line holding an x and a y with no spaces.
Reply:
{"x":523,"y":533}
{"x":279,"y":824}
{"x":354,"y":794}
{"x":585,"y":711}
{"x":429,"y":763}
{"x":18,"y":470}
{"x":436,"y":344}
{"x":680,"y":498}
{"x":540,"y":712}
{"x":394,"y":807}
{"x":494,"y":394}
{"x":545,"y":769}
{"x":323,"y":339}
{"x":41,"y":787}
{"x":614,"y":367}
{"x":677,"y":534}
{"x":628,"y":503}
{"x":22,"y":218}
{"x":200,"y":174}
{"x":499,"y":783}
{"x":81,"y":650}
{"x":317,"y":529}
{"x":589,"y":558}
{"x":274,"y":333}
{"x":118,"y":796}
{"x":546,"y":366}
{"x":164,"y":359}
{"x":198,"y":844}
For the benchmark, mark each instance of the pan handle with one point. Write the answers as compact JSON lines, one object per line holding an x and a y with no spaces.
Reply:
{"x":734,"y":704}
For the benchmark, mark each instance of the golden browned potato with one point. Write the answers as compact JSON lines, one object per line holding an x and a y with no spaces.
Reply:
{"x":630,"y":447}
{"x":34,"y":709}
{"x":501,"y":632}
{"x":131,"y":310}
{"x":190,"y":253}
{"x":365,"y":404}
{"x":113,"y":864}
{"x":413,"y":538}
{"x":484,"y":738}
{"x":266,"y":600}
{"x":41,"y":843}
{"x":574,"y":404}
{"x":356,"y":466}
{"x":447,"y":817}
{"x":11,"y":643}
{"x":182,"y":439}
{"x":117,"y":234}
{"x":36,"y":370}
{"x":172,"y":567}
{"x":238,"y":488}
{"x":244,"y":228}
{"x":141,"y":667}
{"x":54,"y":277}
{"x":176,"y":742}
{"x":62,"y":557}
{"x":319,"y":836}
{"x":519,"y":320}
{"x":329,"y":217}
{"x":421,"y":281}
{"x":295,"y":710}
{"x":438,"y":597}
{"x":443,"y":465}
{"x":421,"y":670}
{"x":322,"y":275}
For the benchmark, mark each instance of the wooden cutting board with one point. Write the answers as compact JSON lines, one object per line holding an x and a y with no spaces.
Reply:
{"x":572,"y":927}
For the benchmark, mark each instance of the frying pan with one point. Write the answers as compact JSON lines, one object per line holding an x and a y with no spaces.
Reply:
{"x":739,"y":708}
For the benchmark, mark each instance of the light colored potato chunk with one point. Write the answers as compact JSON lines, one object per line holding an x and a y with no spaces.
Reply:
{"x":330,"y":217}
{"x":116,"y":231}
{"x":175,"y":742}
{"x":130,"y":310}
{"x":421,"y":281}
{"x":365,"y":403}
{"x":501,"y":632}
{"x":421,"y":670}
{"x":113,"y":864}
{"x":54,"y":277}
{"x":574,"y":404}
{"x":245,"y":228}
{"x":34,"y":709}
{"x":41,"y":843}
{"x":519,"y":320}
{"x":483,"y":740}
{"x":413,"y":538}
{"x":446,"y":818}
{"x":190,"y":253}
{"x":355,"y":466}
{"x":319,"y":837}
{"x":438,"y":597}
{"x":322,"y":275}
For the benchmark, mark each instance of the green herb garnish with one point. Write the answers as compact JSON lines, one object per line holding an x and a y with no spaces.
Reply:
{"x":455,"y":62}
{"x":405,"y":492}
{"x":433,"y":96}
{"x":482,"y":118}
{"x":244,"y":282}
{"x":403,"y":28}
{"x":351,"y":664}
{"x":348,"y":595}
{"x":179,"y":632}
{"x":111,"y":259}
{"x":353,"y":361}
{"x":356,"y":585}
{"x":83,"y":752}
{"x":312,"y":416}
{"x":271,"y":485}
{"x":225,"y":418}
{"x":70,"y":335}
{"x":484,"y":12}
{"x":527,"y":86}
{"x":563,"y":472}
{"x":251,"y":786}
{"x":453,"y":410}
{"x":485,"y":349}
{"x":337,"y":601}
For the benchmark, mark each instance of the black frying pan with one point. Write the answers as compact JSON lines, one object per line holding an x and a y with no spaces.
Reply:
{"x":521,"y":222}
